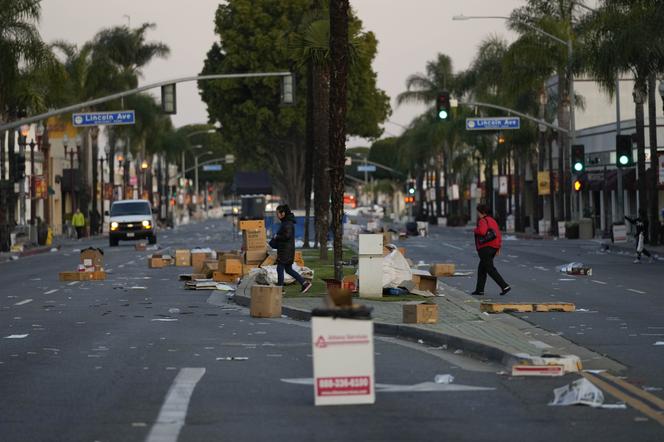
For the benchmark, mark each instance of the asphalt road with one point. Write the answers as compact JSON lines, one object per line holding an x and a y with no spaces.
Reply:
{"x":137,"y":358}
{"x":620,"y":308}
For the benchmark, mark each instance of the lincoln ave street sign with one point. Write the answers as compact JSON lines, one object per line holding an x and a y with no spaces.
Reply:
{"x":493,"y":123}
{"x":103,"y":118}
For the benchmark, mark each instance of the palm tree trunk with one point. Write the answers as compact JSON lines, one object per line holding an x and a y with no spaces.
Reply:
{"x":309,"y":155}
{"x":654,"y":163}
{"x":321,"y":140}
{"x":339,"y":10}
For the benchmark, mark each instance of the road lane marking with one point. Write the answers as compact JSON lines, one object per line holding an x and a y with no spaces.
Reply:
{"x":640,"y":402}
{"x":637,"y":291}
{"x":450,"y":245}
{"x":598,"y":282}
{"x":174,"y":410}
{"x":73,"y":283}
{"x":51,"y":291}
{"x":25,"y":301}
{"x":17,"y":336}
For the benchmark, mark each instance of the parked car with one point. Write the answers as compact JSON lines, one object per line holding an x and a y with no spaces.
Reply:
{"x":131,"y":219}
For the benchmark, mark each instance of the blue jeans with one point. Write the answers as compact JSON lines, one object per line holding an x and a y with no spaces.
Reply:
{"x":289,"y":269}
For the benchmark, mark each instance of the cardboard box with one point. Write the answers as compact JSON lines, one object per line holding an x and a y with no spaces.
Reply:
{"x":198,"y":259}
{"x":246,"y":268}
{"x":224,"y":277}
{"x":156,"y":262}
{"x":230,"y":265}
{"x":349,"y":283}
{"x":182,"y":258}
{"x":252,"y":224}
{"x":254,"y":239}
{"x":298,"y":258}
{"x":140,"y":247}
{"x":269,"y":261}
{"x":210,"y":266}
{"x":254,"y":256}
{"x":426,"y":282}
{"x":442,"y":269}
{"x":343,"y":359}
{"x":265,"y":301}
{"x":92,"y":257}
{"x":420,"y":313}
{"x":82,"y":276}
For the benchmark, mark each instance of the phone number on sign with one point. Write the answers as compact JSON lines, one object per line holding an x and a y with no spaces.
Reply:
{"x":348,"y":385}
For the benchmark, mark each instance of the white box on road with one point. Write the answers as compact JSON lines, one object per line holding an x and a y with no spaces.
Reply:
{"x":343,"y":357}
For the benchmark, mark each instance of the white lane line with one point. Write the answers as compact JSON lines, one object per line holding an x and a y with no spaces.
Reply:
{"x":51,"y":291}
{"x":450,"y":245}
{"x":598,"y":282}
{"x":25,"y":301}
{"x":174,"y":410}
{"x":637,"y":291}
{"x":73,"y":283}
{"x":17,"y":336}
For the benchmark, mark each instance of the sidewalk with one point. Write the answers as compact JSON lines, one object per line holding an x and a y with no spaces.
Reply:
{"x":57,"y":244}
{"x":461,"y":326}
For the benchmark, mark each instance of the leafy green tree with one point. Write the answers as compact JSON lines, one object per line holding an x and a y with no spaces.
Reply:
{"x":258,"y":36}
{"x":626,"y":36}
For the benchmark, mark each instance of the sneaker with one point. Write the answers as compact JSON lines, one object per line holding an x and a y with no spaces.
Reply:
{"x":305,"y":287}
{"x":505,"y":291}
{"x":476,"y":293}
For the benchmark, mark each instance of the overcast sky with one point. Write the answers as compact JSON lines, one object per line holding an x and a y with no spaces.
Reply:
{"x":409,"y":32}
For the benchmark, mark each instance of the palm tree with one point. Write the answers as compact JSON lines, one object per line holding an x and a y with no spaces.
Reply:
{"x":626,"y":36}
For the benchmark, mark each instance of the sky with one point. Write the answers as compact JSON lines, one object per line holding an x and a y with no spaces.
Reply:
{"x":410,"y":33}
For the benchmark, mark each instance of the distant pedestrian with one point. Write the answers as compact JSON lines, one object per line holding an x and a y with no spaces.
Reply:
{"x":487,"y":243}
{"x":641,"y":225}
{"x":78,"y":221}
{"x":284,"y":242}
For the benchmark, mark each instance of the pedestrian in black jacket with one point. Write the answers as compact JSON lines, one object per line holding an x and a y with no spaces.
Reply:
{"x":284,"y":242}
{"x":641,"y":225}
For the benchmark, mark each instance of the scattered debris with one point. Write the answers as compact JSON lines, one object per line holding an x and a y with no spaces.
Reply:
{"x":443,"y":379}
{"x":503,"y":307}
{"x":581,"y":392}
{"x":165,"y":319}
{"x":659,"y":343}
{"x":575,"y":268}
{"x":537,"y":370}
{"x":233,"y":358}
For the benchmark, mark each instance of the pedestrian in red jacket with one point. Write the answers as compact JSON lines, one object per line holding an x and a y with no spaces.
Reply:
{"x":487,"y":242}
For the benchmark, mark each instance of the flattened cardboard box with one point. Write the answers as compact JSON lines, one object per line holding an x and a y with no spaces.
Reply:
{"x":252,"y":224}
{"x":442,"y":269}
{"x":265,"y":301}
{"x":182,"y":258}
{"x":92,"y":257}
{"x":82,"y":276}
{"x":420,"y":313}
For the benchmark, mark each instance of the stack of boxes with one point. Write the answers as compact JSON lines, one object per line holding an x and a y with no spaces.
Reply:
{"x":229,"y":267}
{"x":91,"y":267}
{"x":254,"y":244}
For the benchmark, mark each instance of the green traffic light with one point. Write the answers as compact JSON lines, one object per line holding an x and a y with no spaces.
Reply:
{"x":578,"y":167}
{"x":411,"y":190}
{"x":623,"y":160}
{"x":442,"y":114}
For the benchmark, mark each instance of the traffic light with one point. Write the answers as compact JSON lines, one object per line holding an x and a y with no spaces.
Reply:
{"x":501,"y":139}
{"x":410,"y":187}
{"x":577,"y":185}
{"x":20,"y":167}
{"x":578,"y":157}
{"x":624,"y":151}
{"x":443,"y":107}
{"x":409,"y":199}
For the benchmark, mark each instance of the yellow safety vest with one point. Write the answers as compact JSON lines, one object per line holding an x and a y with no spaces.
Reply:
{"x":78,"y":220}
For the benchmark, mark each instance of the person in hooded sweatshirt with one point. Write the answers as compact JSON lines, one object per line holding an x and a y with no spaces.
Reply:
{"x":487,"y":242}
{"x":284,"y":242}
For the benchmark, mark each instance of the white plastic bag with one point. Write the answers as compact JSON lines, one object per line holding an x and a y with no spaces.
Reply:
{"x":395,"y":269}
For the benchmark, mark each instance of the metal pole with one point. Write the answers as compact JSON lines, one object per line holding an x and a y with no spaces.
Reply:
{"x":620,"y":194}
{"x":196,"y":177}
{"x":33,"y":201}
{"x":21,"y":189}
{"x":572,"y":127}
{"x":103,"y":191}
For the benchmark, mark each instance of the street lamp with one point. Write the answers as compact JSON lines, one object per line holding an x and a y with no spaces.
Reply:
{"x":70,"y":151}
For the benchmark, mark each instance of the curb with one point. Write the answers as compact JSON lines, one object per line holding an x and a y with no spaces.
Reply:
{"x":38,"y":250}
{"x":476,"y":349}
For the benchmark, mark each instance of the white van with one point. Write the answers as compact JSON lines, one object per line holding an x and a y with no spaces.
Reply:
{"x":129,"y":220}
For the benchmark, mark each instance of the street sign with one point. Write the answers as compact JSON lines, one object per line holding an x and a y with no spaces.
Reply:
{"x":366,"y":168}
{"x":103,"y":118}
{"x":493,"y":123}
{"x":212,"y":168}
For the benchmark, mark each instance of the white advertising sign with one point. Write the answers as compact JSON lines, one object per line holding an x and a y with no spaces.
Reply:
{"x":343,"y":357}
